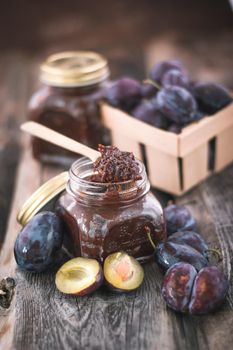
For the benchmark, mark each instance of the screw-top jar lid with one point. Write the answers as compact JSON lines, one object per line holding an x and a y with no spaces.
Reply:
{"x":74,"y":68}
{"x":41,"y":197}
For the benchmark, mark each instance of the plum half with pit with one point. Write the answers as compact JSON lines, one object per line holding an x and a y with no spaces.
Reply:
{"x":79,"y":276}
{"x":187,"y":291}
{"x":38,"y":244}
{"x":122,"y":272}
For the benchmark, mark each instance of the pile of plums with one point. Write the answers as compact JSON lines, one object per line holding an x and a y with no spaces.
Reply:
{"x":169,"y":99}
{"x":189,"y":285}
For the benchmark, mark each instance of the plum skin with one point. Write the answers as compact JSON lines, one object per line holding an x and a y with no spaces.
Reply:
{"x":148,"y":112}
{"x":185,"y":290}
{"x":167,"y":254}
{"x":209,"y":290}
{"x":178,"y":218}
{"x":39,"y":242}
{"x":175,"y":77}
{"x":177,"y":104}
{"x":177,"y":286}
{"x":124,"y":93}
{"x":211,"y":97}
{"x":190,"y":238}
{"x":159,"y":69}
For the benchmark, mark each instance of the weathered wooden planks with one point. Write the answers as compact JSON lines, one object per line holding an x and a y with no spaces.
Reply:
{"x":42,"y":318}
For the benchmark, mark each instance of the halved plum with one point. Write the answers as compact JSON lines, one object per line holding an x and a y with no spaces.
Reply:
{"x":79,"y":276}
{"x":122,"y":272}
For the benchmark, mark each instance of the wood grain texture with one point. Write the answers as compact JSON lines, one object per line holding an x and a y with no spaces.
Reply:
{"x":42,"y":318}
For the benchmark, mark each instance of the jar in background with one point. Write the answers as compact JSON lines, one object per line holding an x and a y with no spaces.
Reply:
{"x":67,"y":102}
{"x":104,"y":218}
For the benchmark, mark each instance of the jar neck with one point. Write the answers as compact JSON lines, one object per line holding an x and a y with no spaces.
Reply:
{"x":74,"y":90}
{"x":122,"y":193}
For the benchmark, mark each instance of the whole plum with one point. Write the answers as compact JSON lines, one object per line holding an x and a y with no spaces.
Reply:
{"x":148,"y":90}
{"x":177,"y":104}
{"x":169,"y":253}
{"x":211,"y":97}
{"x":175,"y":77}
{"x":159,"y":69}
{"x":184,"y":290}
{"x":124,"y":93}
{"x":178,"y":218}
{"x":177,"y":286}
{"x":209,"y":290}
{"x":190,"y":238}
{"x":148,"y":112}
{"x":38,"y":243}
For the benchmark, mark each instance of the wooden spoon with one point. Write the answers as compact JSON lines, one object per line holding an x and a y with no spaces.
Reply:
{"x":58,"y":139}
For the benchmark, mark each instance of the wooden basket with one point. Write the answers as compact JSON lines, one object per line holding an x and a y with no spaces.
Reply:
{"x":175,"y":163}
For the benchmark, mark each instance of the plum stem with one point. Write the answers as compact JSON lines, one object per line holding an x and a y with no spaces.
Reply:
{"x":216,"y":252}
{"x":148,"y":232}
{"x":152,"y":82}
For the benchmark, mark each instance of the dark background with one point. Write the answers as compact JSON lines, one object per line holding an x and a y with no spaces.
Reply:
{"x":120,"y":29}
{"x":132,"y":34}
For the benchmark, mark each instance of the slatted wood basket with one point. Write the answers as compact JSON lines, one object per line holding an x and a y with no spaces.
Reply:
{"x":175,"y":163}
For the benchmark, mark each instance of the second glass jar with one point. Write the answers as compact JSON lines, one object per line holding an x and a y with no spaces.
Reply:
{"x":67,"y":101}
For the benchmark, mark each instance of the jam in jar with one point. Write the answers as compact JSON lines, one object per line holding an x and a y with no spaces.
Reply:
{"x":67,"y":102}
{"x":103,"y":218}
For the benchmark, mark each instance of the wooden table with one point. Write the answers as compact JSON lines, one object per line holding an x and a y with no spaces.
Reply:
{"x":39,"y":316}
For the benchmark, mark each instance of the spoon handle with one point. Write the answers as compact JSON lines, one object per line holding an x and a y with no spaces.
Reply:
{"x":58,"y":139}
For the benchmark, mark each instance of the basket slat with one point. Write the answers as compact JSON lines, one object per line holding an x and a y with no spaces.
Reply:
{"x":196,"y":134}
{"x":195,"y":167}
{"x":224,"y":148}
{"x":175,"y":162}
{"x":163,"y":170}
{"x":122,"y":123}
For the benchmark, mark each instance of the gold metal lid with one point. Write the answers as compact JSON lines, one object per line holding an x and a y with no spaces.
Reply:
{"x":41,"y":197}
{"x":74,"y":69}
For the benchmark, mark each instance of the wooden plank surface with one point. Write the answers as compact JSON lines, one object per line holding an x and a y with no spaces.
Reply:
{"x":40,"y":317}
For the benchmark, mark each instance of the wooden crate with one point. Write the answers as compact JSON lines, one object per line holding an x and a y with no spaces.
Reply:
{"x":175,"y":163}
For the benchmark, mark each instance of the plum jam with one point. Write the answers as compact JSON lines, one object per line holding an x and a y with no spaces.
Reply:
{"x":67,"y":102}
{"x":103,"y":218}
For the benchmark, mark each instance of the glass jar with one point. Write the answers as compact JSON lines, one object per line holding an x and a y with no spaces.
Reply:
{"x":67,"y":101}
{"x":104,"y":218}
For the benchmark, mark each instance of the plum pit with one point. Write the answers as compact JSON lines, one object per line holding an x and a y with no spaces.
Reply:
{"x":122,"y":272}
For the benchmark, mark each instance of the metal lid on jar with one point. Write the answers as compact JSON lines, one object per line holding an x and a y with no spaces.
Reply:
{"x":74,"y":69}
{"x":42,"y":197}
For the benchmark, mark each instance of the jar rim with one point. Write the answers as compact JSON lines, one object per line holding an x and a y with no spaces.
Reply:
{"x":74,"y":69}
{"x":126,"y":190}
